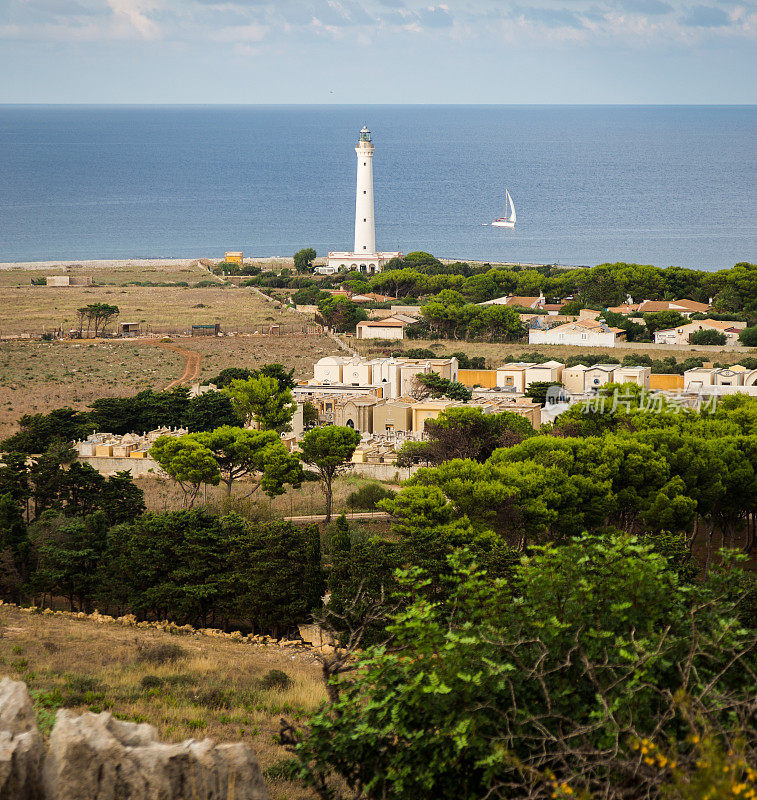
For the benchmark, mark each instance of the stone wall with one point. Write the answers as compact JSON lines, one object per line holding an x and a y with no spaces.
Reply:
{"x":96,"y":757}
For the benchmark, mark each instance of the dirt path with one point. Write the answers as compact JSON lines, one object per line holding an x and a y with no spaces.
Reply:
{"x":191,"y":368}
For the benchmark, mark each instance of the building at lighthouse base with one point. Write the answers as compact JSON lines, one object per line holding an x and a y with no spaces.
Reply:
{"x":361,"y":262}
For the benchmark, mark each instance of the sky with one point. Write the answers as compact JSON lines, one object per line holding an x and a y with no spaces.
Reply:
{"x":378,"y":51}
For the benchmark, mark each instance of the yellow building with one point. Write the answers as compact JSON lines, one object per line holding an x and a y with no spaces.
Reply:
{"x":234,"y":258}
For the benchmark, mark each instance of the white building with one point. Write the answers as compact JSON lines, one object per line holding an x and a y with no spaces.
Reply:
{"x":364,"y":257}
{"x":583,"y":332}
{"x":683,"y":333}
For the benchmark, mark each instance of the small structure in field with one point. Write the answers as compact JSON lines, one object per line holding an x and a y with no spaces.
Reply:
{"x":234,"y":257}
{"x":68,"y":280}
{"x":129,"y":328}
{"x":213,"y":329}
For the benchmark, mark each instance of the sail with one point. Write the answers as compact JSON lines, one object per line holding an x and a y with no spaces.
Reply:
{"x":512,"y":207}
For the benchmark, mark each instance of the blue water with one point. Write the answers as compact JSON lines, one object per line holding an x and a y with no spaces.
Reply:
{"x":659,"y":185}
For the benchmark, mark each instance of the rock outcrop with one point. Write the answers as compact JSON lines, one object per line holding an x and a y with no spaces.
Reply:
{"x":97,"y":757}
{"x":20,"y":744}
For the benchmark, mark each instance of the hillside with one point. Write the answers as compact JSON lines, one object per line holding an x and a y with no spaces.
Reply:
{"x":186,"y":686}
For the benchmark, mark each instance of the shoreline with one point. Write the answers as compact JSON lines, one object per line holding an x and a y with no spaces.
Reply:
{"x":275,"y":261}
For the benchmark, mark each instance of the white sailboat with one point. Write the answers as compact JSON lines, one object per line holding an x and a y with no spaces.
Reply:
{"x":508,"y":221}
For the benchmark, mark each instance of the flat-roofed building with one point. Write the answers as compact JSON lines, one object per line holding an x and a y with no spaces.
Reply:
{"x":641,"y":376}
{"x":393,"y":416}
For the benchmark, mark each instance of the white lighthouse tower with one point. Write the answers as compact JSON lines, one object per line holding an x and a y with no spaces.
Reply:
{"x":365,"y":223}
{"x":364,"y":257}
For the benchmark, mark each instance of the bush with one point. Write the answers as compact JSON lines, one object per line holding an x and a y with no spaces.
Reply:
{"x":748,"y":337}
{"x":158,"y":652}
{"x":368,"y":496}
{"x":708,"y":336}
{"x":276,"y":679}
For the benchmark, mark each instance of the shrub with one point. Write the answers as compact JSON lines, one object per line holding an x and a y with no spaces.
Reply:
{"x":159,"y":652}
{"x":748,"y":337}
{"x":276,"y":679}
{"x":151,"y":682}
{"x":368,"y":496}
{"x":708,"y":336}
{"x":285,"y":769}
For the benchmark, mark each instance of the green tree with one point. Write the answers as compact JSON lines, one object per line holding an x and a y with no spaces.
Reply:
{"x":465,"y":433}
{"x":188,"y":463}
{"x":538,"y":390}
{"x":208,"y":411}
{"x":303,"y":259}
{"x":39,"y":431}
{"x":664,"y":320}
{"x":540,"y":687}
{"x":260,"y":400}
{"x":708,"y":336}
{"x":748,"y":337}
{"x":275,"y":581}
{"x":328,"y":450}
{"x":69,"y":554}
{"x":97,"y":316}
{"x":257,"y":455}
{"x":340,"y":313}
{"x":434,"y":385}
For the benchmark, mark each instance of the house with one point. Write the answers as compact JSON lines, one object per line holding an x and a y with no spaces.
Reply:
{"x":684,"y":307}
{"x":683,"y":333}
{"x":68,"y":280}
{"x":129,"y":328}
{"x":515,"y":300}
{"x":641,"y":376}
{"x":388,"y":328}
{"x":584,"y":332}
{"x":236,"y":257}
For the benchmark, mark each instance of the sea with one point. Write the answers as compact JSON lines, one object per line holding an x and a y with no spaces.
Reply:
{"x":647,"y":184}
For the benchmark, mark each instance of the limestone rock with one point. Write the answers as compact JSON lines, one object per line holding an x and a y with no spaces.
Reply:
{"x":20,"y":744}
{"x":96,"y":757}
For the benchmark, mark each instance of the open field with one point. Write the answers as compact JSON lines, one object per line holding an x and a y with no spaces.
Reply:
{"x":36,"y":376}
{"x":186,"y":686}
{"x":495,"y":352}
{"x":160,"y":309}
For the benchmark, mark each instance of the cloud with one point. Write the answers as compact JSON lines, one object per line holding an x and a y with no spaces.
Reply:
{"x":551,"y":17}
{"x":134,"y":14}
{"x":653,"y":7}
{"x":434,"y":17}
{"x":706,"y":17}
{"x":240,"y":33}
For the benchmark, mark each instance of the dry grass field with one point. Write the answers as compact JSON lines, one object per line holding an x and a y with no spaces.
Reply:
{"x":495,"y":352}
{"x":36,"y":376}
{"x":33,"y":310}
{"x":105,"y":274}
{"x":186,"y":686}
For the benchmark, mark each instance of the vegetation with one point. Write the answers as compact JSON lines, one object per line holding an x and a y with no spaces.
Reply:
{"x":432,"y":385}
{"x":557,"y":683}
{"x":328,"y":450}
{"x":260,"y":400}
{"x":303,"y":259}
{"x":708,"y":336}
{"x":97,"y":316}
{"x":748,"y":336}
{"x":340,"y":313}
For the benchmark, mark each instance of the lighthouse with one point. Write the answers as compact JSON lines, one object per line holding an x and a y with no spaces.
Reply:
{"x":364,"y":257}
{"x":365,"y":223}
